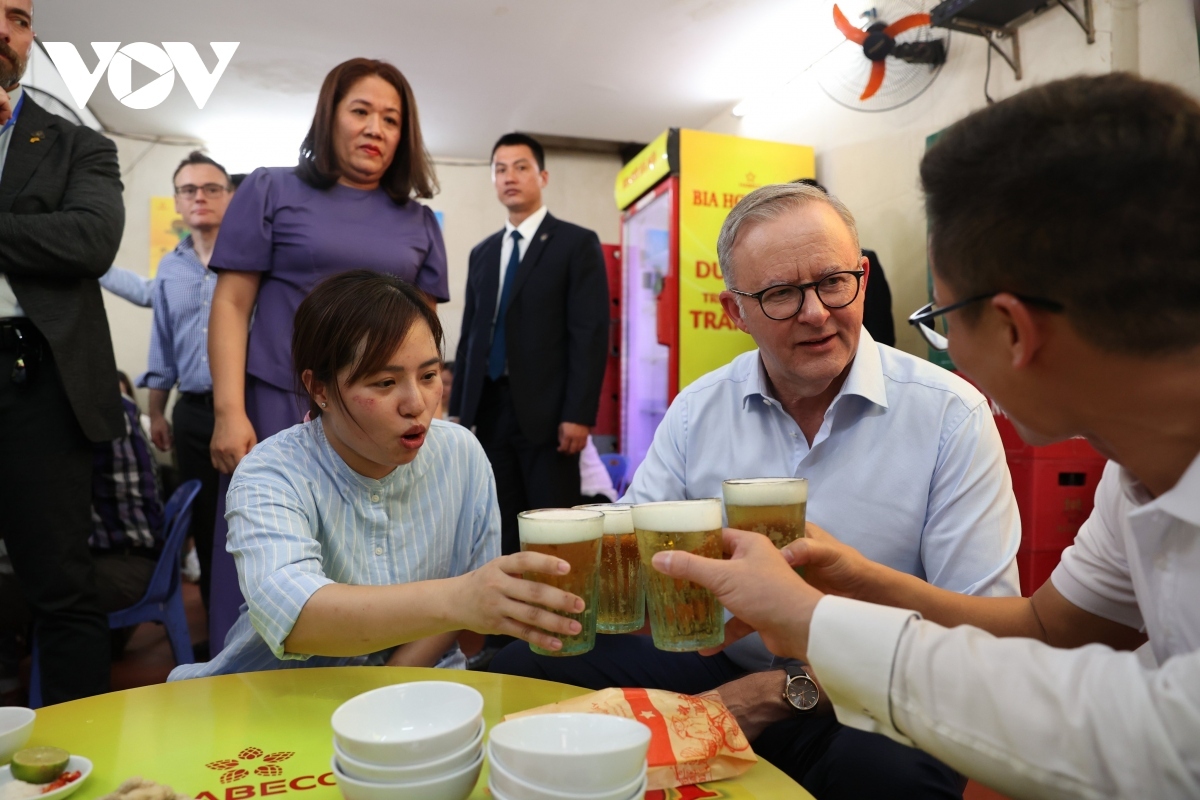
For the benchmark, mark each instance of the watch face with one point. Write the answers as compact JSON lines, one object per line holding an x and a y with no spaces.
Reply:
{"x":802,"y":693}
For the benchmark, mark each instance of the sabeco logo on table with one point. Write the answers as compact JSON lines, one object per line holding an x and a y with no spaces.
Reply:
{"x":165,"y":61}
{"x":243,"y":777}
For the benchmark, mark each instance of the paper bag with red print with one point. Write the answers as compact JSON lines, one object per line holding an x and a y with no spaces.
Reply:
{"x":692,"y":739}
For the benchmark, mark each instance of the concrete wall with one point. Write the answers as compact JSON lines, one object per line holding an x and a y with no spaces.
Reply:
{"x":580,"y":191}
{"x":870,"y":160}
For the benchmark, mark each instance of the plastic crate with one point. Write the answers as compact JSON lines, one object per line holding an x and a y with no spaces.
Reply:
{"x":1054,"y":497}
{"x":1015,"y":446}
{"x":1035,"y":567}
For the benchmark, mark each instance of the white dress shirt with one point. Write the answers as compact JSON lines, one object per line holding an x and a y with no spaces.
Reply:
{"x":9,"y":307}
{"x":593,"y":475}
{"x":1031,"y":720}
{"x":907,"y":467}
{"x":527,"y":229}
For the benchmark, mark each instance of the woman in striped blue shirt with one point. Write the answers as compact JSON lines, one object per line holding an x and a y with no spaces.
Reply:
{"x":370,"y":534}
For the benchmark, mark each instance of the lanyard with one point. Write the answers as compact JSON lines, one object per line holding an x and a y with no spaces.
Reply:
{"x":16,"y":111}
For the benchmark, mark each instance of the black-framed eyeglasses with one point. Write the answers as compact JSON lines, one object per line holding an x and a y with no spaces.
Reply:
{"x":211,"y":190}
{"x":931,"y":321}
{"x":783,"y":301}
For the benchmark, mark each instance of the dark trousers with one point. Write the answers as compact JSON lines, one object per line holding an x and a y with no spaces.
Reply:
{"x":45,"y":520}
{"x":528,"y":475}
{"x":830,"y":760}
{"x":193,"y":427}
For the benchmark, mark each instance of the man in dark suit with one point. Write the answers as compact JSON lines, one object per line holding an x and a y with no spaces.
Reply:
{"x":61,"y":218}
{"x":534,"y":343}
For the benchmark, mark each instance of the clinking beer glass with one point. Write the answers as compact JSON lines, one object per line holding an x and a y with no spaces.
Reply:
{"x":684,"y":616}
{"x":574,"y":535}
{"x":774,"y":507}
{"x":622,"y":605}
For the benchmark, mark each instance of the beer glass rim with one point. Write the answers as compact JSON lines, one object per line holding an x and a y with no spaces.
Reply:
{"x":739,"y":481}
{"x":603,"y":507}
{"x":567,"y":525}
{"x":692,"y":501}
{"x":693,"y":515}
{"x":530,"y":514}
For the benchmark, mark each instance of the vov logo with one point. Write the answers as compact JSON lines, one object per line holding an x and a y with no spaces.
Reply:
{"x":172,"y":57}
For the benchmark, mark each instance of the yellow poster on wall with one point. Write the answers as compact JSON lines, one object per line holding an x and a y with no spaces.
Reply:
{"x":716,"y":171}
{"x":166,"y":230}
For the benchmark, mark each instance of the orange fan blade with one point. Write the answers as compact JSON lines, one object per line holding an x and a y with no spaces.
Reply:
{"x":849,"y":31}
{"x":877,"y":70}
{"x":906,"y":24}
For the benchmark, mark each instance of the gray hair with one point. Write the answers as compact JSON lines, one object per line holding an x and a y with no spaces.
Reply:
{"x":768,"y":203}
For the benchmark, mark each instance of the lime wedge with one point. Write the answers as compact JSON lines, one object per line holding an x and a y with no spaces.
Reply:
{"x":39,"y":764}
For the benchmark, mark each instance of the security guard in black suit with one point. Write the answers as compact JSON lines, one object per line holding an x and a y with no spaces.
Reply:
{"x":61,"y":219}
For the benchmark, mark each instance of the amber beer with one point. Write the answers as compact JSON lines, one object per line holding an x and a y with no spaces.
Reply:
{"x":622,"y":606}
{"x":684,"y":616}
{"x":771,"y":506}
{"x":574,"y":535}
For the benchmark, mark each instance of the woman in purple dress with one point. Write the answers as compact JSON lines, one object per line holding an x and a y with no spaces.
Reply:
{"x":349,"y":204}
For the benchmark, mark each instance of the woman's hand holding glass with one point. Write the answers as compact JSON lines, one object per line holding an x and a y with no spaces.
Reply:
{"x":495,"y":599}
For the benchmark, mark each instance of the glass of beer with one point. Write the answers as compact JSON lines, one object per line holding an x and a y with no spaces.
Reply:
{"x":774,"y":507}
{"x":684,"y":616}
{"x":622,"y":606}
{"x":574,"y":536}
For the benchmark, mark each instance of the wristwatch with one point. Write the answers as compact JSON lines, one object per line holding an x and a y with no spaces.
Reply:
{"x":801,"y":690}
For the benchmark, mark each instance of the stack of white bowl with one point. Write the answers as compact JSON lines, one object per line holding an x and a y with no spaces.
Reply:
{"x":417,"y":741}
{"x":568,"y":757}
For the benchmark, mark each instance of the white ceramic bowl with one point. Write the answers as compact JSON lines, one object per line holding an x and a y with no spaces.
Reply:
{"x":408,"y":723}
{"x":373,"y":773}
{"x":514,"y":788}
{"x":16,"y":726}
{"x":571,"y":752}
{"x":455,"y":786}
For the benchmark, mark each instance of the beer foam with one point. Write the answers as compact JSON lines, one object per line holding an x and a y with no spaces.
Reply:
{"x":618,"y":517}
{"x":678,"y":516}
{"x":765,"y":492}
{"x":560,"y":525}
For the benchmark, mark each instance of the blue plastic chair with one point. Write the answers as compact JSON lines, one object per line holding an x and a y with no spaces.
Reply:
{"x":163,"y":600}
{"x":616,"y":465}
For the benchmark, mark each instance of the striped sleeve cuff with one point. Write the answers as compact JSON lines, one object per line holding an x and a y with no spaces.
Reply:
{"x":852,"y":649}
{"x":276,"y":605}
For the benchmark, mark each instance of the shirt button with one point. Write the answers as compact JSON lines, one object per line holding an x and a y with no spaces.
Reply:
{"x":374,"y":498}
{"x":1162,"y":562}
{"x":378,"y":551}
{"x":766,"y":402}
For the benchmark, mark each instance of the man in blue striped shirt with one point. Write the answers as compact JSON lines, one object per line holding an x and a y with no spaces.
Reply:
{"x":182,"y":298}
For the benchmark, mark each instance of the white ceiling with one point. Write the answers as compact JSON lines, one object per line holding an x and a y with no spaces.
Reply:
{"x":606,"y":69}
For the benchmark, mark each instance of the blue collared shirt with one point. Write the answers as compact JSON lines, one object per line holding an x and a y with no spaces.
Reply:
{"x":183,"y":293}
{"x":907,"y":467}
{"x":130,"y":286}
{"x":300,"y":518}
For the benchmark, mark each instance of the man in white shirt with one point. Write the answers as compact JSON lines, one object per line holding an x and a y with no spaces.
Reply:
{"x":902,"y":457}
{"x":1066,"y":252}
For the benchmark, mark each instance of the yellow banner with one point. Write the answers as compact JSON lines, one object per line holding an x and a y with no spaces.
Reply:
{"x":715,"y":172}
{"x":166,"y":230}
{"x":646,"y":169}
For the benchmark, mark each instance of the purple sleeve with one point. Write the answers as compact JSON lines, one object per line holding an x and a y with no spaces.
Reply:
{"x":245,"y":242}
{"x":432,"y":276}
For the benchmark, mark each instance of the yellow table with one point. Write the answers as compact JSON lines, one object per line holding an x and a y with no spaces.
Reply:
{"x":255,"y":735}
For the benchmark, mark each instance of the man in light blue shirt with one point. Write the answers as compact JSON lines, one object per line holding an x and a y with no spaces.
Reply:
{"x":182,"y":293}
{"x":903,"y":460}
